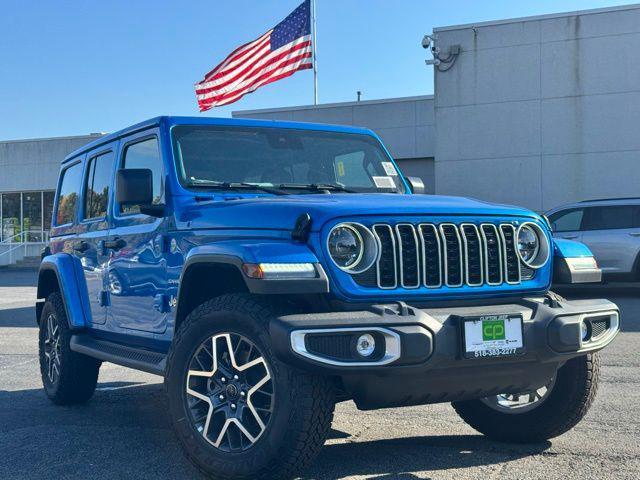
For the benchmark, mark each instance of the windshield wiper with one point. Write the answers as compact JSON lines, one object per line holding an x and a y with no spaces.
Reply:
{"x":317,"y":187}
{"x":213,"y":184}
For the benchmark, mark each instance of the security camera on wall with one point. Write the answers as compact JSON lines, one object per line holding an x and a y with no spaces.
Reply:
{"x":426,"y":42}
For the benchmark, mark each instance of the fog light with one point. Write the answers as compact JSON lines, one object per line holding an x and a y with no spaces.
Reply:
{"x":584,"y":329}
{"x":366,"y":345}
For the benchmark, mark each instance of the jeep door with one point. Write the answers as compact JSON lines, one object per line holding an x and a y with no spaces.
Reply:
{"x":93,"y":227}
{"x":613,"y":235}
{"x":137,"y":276}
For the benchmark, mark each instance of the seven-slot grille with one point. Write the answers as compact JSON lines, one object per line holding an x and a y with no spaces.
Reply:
{"x":434,"y":255}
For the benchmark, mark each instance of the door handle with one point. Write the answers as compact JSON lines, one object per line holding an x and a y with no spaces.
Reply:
{"x":570,"y":237}
{"x":634,"y":234}
{"x":115,"y":244}
{"x":81,"y":246}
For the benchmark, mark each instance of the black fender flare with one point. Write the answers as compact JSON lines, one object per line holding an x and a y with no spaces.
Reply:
{"x":74,"y":292}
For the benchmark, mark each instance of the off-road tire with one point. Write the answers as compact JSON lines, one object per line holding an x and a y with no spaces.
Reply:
{"x":78,"y":374}
{"x":303,"y":403}
{"x":570,"y":399}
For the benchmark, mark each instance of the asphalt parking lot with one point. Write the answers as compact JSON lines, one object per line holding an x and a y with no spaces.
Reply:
{"x":124,"y":431}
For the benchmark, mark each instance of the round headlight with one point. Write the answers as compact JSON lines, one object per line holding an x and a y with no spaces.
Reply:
{"x":533,"y":246}
{"x":352,"y":247}
{"x":528,"y":243}
{"x":346,"y":246}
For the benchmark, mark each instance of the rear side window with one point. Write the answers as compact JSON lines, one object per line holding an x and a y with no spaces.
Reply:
{"x":68,"y":194}
{"x":611,"y":218}
{"x":97,"y":184}
{"x":144,"y":154}
{"x":567,"y":220}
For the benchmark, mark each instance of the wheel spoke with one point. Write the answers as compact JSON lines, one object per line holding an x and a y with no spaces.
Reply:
{"x":51,"y":350}
{"x":252,"y":409}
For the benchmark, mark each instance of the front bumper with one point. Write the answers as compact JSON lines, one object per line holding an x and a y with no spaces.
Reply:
{"x":420,"y":359}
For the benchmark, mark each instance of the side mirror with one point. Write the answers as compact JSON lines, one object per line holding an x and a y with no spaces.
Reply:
{"x":134,"y":186}
{"x":417,"y":185}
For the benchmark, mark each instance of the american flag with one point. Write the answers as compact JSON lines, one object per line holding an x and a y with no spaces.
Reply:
{"x":277,"y":54}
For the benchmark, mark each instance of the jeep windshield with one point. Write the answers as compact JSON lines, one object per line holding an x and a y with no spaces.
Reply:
{"x":276,"y":160}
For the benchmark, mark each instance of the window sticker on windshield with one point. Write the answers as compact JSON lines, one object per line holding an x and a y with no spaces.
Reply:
{"x":340,"y":169}
{"x":389,"y":169}
{"x":384,"y":182}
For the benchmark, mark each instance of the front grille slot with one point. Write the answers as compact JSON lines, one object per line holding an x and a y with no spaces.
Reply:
{"x":445,"y":254}
{"x":492,"y":254}
{"x":431,"y":256}
{"x":473,"y":254}
{"x":386,"y":264}
{"x":452,"y":246}
{"x":409,"y":259}
{"x":511,"y":259}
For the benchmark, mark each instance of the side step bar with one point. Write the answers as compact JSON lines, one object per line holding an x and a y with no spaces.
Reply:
{"x":137,"y":358}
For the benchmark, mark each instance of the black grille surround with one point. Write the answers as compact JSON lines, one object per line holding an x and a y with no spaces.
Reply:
{"x":434,"y":255}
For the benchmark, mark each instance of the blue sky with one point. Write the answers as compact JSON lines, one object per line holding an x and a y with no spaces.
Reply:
{"x":74,"y":67}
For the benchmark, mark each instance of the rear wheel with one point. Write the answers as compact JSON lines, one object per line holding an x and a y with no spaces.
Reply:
{"x":239,"y":412}
{"x":540,"y":414}
{"x":68,"y":377}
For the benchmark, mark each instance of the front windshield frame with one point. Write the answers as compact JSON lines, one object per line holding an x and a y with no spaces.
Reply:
{"x":372,"y":141}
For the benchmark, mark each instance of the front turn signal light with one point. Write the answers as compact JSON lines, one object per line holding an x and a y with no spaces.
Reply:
{"x":279,"y":271}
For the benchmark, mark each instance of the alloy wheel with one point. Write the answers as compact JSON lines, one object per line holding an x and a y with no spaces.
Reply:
{"x":520,"y":402}
{"x":229,"y":392}
{"x":52,"y":348}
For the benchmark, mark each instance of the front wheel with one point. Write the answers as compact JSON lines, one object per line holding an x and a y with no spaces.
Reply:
{"x":238,"y":412}
{"x":540,"y":414}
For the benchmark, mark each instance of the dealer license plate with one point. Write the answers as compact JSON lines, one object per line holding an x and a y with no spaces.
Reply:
{"x":492,"y":336}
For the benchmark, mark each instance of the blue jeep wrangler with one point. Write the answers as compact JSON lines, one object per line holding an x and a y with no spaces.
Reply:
{"x":268,"y":270}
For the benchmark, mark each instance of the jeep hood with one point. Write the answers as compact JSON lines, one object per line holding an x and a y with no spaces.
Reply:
{"x":281,"y":212}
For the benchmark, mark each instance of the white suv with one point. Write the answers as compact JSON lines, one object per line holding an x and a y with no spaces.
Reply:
{"x":609,"y":227}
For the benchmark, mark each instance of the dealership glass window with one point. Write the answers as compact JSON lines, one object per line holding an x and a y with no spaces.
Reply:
{"x":26,"y":213}
{"x":47,"y":209}
{"x":144,"y":154}
{"x":32,"y":216}
{"x":11,"y":225}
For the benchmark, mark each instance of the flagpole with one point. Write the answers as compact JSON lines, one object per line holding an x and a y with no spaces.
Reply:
{"x":315,"y":52}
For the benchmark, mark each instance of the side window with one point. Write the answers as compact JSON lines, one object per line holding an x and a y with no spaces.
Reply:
{"x":96,"y":197}
{"x":609,"y":218}
{"x":567,"y":220}
{"x":68,"y":194}
{"x":144,"y":154}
